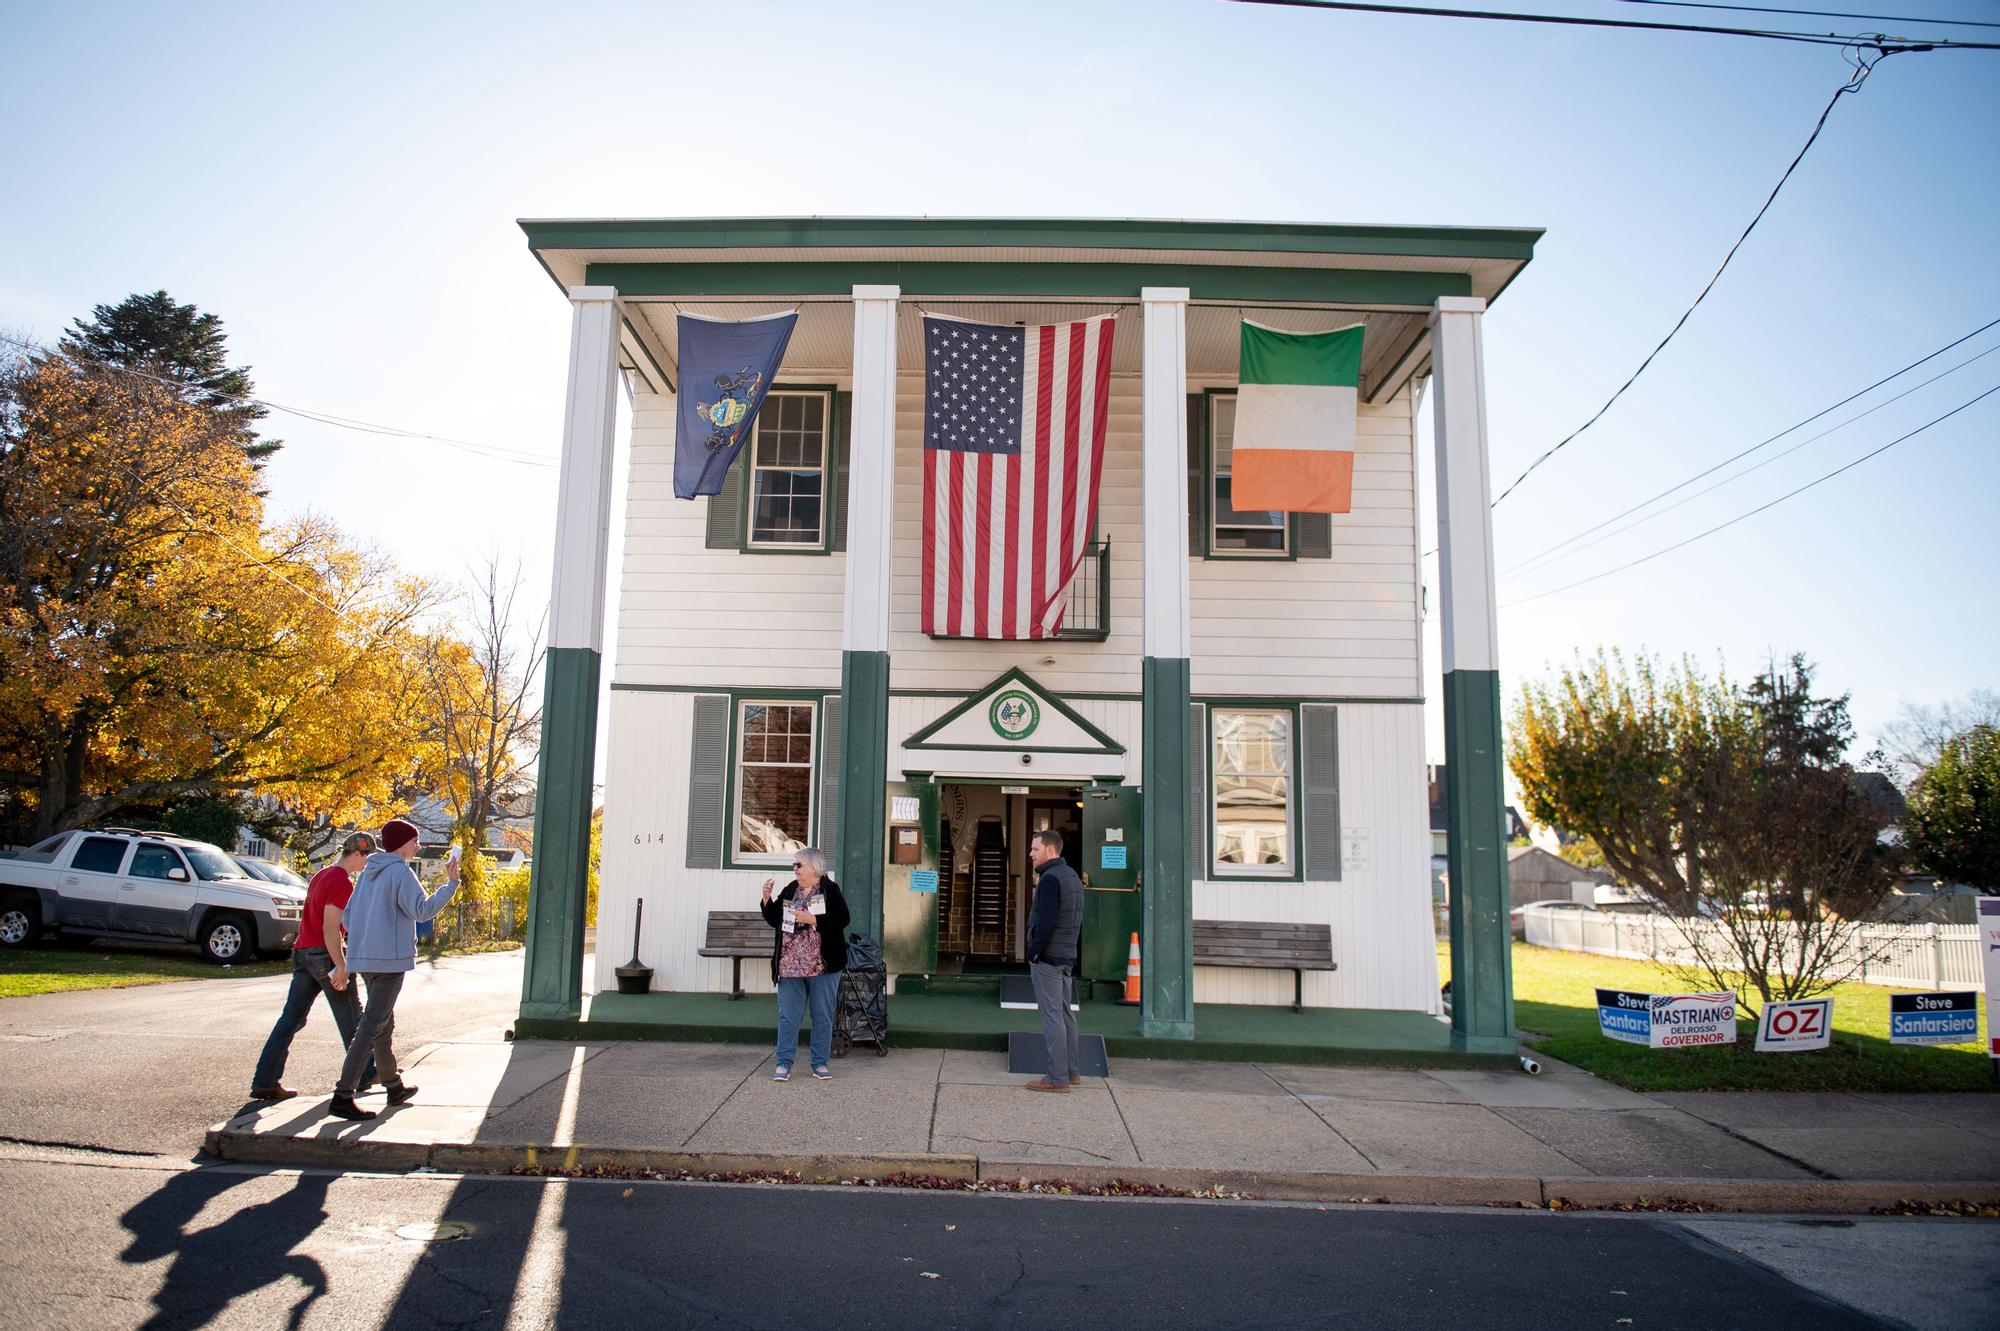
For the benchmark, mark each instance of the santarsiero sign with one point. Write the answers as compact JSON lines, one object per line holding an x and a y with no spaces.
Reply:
{"x":1951,"y":1018}
{"x":1666,"y":1021}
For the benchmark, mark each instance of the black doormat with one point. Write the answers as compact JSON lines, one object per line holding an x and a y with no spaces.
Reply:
{"x":1028,"y":1054}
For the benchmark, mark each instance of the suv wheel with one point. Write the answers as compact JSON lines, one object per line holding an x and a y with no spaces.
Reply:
{"x":20,"y":922}
{"x":229,"y":939}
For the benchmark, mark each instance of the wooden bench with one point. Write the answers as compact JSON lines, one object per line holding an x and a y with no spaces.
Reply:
{"x":737,"y":934}
{"x":1297,"y":948}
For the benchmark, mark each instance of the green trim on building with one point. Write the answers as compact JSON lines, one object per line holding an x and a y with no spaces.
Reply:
{"x":864,"y":774}
{"x":1482,"y":945}
{"x":559,"y":880}
{"x":1107,"y":281}
{"x":1166,"y":936}
{"x":1038,"y":233}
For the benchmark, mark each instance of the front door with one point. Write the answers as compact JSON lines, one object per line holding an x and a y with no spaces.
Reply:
{"x":910,"y":879}
{"x":1112,"y":843}
{"x":156,"y":896}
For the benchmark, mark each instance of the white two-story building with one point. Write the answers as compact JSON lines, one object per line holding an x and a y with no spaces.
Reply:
{"x":1229,"y":724}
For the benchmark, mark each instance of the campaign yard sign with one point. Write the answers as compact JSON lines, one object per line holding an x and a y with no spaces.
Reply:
{"x":1989,"y":948}
{"x":1666,"y":1021}
{"x":1934,"y":1018}
{"x":1795,"y":1026}
{"x":1625,"y":1016}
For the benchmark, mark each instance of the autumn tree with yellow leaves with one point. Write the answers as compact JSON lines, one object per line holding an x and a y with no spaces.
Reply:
{"x":157,"y":641}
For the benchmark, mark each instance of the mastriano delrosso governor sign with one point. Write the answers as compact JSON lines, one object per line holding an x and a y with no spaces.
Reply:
{"x":1666,"y":1021}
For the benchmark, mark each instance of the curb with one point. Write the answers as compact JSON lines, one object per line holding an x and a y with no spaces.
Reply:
{"x":1520,"y":1191}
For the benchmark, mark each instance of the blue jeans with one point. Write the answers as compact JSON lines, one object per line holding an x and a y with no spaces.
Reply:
{"x":793,"y":995}
{"x":310,"y":968}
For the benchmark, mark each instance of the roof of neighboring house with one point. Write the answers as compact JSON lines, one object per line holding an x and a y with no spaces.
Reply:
{"x":1881,"y":794}
{"x":1533,"y":864}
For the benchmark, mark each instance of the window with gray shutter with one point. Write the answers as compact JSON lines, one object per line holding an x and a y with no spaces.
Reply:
{"x":725,"y":510}
{"x":1312,"y":538}
{"x":708,"y":774}
{"x":1319,"y":806}
{"x":1197,"y":791}
{"x":836,"y":473}
{"x":829,"y":780}
{"x":1197,"y":477}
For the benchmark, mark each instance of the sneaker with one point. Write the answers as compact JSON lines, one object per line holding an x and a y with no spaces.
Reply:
{"x":343,"y":1106}
{"x":822,"y":1074}
{"x":782,"y":1074}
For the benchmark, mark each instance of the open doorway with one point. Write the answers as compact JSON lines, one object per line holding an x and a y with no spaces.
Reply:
{"x":985,"y":880}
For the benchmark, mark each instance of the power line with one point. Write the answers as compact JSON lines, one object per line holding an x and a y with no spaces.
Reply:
{"x":1853,"y":85}
{"x":1536,"y":558}
{"x":1818,"y":480}
{"x":499,"y":453}
{"x":1876,"y":41}
{"x":1817,"y":13}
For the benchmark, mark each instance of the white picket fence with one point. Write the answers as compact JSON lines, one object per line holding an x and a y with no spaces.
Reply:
{"x":1907,"y":956}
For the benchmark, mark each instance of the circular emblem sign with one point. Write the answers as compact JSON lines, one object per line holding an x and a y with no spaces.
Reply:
{"x":1014,"y":715}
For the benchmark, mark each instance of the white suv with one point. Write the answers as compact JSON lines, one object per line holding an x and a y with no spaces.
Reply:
{"x":118,"y":883}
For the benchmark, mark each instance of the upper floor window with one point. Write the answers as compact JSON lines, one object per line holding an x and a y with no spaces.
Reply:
{"x":1233,"y":532}
{"x":788,"y":471}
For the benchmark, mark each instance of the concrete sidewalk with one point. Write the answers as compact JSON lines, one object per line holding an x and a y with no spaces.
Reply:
{"x":1315,"y":1133}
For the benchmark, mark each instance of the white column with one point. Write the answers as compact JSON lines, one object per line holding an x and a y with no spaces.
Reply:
{"x":1163,"y":483}
{"x":871,"y":471}
{"x":583,"y":501}
{"x":1464,"y":501}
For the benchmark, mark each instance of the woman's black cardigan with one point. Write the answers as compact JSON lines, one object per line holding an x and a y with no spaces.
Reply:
{"x":831,"y":927}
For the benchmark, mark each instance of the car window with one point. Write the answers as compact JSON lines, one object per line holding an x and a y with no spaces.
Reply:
{"x":153,"y":861}
{"x":47,"y":851}
{"x":255,"y":870}
{"x":210,"y":863}
{"x":99,"y":854}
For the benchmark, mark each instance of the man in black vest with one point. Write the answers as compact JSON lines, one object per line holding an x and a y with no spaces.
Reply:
{"x":1053,"y":931}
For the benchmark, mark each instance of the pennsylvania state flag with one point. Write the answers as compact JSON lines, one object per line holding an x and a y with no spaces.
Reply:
{"x":726,"y":370}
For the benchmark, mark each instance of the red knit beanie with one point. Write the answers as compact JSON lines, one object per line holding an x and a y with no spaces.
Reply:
{"x":398,"y":833}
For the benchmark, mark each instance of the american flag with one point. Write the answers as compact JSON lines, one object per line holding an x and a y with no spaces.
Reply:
{"x":1013,"y":448}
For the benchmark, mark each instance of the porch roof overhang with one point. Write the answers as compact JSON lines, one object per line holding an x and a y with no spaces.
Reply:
{"x":1033,"y":270}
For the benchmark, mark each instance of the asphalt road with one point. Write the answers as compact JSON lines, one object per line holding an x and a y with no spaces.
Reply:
{"x":88,"y":1246}
{"x":151,"y":1068}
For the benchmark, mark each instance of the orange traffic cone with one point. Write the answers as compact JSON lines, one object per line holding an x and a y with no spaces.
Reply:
{"x":1132,"y":973}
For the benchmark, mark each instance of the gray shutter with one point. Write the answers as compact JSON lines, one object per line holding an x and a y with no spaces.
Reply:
{"x":829,"y":780}
{"x":1198,"y":791}
{"x":1319,"y":787}
{"x":1197,"y":445}
{"x":1313,"y":535}
{"x":708,"y":775}
{"x":836,"y":473}
{"x":725,"y":508}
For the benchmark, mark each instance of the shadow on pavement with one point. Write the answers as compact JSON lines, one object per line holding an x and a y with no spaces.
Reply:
{"x":213,"y":1266}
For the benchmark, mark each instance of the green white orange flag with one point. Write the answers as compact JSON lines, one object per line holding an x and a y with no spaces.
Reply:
{"x":1293,"y":450}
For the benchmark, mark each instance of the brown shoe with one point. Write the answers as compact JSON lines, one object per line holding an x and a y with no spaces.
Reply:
{"x":1075,"y":1080}
{"x":1041,"y":1084}
{"x":272,"y":1092}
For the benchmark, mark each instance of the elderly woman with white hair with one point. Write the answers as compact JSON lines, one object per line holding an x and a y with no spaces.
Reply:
{"x":807,"y":956}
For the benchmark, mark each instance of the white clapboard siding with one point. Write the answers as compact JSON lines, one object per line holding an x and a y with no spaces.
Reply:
{"x":1380,"y":913}
{"x":1345,"y":626}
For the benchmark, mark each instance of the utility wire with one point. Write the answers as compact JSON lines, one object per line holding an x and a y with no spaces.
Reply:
{"x":1817,"y":13}
{"x":1862,"y":70}
{"x":497,"y":452}
{"x":1790,"y":429}
{"x":1876,"y":41}
{"x":1721,"y":526}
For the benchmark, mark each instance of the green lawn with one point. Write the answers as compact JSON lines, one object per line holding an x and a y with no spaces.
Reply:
{"x":1555,"y":1006}
{"x":107,"y":965}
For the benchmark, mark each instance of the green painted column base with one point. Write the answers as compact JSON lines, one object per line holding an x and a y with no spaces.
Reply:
{"x":559,"y":880}
{"x":1166,"y":891}
{"x":864,"y":779}
{"x":1482,"y":943}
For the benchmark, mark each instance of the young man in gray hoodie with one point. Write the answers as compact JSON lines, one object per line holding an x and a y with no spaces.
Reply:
{"x":382,"y":920}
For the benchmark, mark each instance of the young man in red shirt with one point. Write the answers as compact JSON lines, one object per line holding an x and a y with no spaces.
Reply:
{"x":319,"y":966}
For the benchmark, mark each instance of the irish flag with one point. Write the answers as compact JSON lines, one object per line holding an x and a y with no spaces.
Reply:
{"x":1294,"y":445}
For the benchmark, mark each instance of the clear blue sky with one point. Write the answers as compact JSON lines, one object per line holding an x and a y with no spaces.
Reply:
{"x":342,"y":186}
